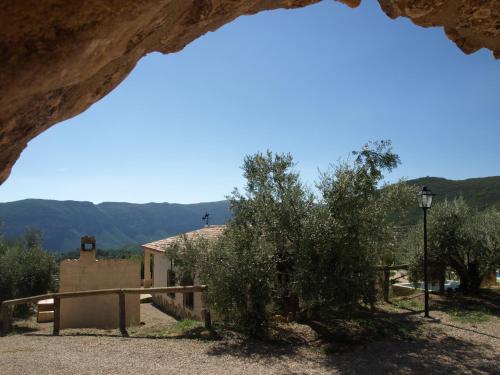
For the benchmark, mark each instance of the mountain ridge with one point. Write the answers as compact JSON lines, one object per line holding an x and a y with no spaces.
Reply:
{"x":479,"y":192}
{"x":117,"y":224}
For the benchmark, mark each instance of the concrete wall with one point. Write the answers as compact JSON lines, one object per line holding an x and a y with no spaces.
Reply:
{"x":161,"y":265}
{"x":87,"y":273}
{"x":174,"y":306}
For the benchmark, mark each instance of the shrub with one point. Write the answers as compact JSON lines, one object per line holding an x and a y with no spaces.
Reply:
{"x":25,"y":268}
{"x":241,"y":273}
{"x":349,"y":231}
{"x":187,"y":256}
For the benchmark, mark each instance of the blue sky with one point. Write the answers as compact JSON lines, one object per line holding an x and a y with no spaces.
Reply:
{"x":317,"y":82}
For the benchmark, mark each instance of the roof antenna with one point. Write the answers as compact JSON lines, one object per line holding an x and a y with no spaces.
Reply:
{"x":206,"y":218}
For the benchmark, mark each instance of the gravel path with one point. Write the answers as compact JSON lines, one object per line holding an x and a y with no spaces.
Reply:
{"x":446,"y":348}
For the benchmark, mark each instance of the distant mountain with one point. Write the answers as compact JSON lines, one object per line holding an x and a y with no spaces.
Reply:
{"x":479,"y":193}
{"x":120,"y":224}
{"x":113,"y":224}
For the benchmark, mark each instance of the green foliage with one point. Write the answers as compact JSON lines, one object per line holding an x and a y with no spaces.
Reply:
{"x":349,"y":231}
{"x":275,"y":207}
{"x":479,"y":193}
{"x":183,"y":326}
{"x":114,"y":224}
{"x":470,"y":316}
{"x":117,"y":224}
{"x":241,"y":274}
{"x":180,"y":329}
{"x":287,"y":248}
{"x":25,"y":268}
{"x":461,"y":238}
{"x":414,"y":304}
{"x":187,"y":256}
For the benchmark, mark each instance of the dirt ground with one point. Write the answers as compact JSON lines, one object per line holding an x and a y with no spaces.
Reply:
{"x":439,"y":346}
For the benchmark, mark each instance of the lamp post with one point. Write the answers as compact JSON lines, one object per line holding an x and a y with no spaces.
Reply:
{"x":425,"y":202}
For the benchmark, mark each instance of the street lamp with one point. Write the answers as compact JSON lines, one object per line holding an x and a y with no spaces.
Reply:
{"x":425,"y":202}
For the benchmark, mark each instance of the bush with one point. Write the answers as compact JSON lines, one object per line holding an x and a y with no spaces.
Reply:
{"x":25,"y":268}
{"x":241,"y":273}
{"x":350,"y":231}
{"x":187,"y":256}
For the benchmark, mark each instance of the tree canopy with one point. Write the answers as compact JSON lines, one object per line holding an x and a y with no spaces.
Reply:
{"x":289,"y":250}
{"x":466,"y":240}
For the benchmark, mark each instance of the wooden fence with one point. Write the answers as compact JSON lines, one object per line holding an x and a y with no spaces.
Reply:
{"x":8,"y":305}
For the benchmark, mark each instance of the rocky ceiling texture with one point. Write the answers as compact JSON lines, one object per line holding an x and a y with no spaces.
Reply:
{"x":58,"y":57}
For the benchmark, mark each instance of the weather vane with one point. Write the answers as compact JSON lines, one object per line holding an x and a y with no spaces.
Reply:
{"x":206,"y":218}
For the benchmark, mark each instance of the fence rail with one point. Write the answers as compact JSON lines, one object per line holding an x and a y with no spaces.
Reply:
{"x":7,"y":305}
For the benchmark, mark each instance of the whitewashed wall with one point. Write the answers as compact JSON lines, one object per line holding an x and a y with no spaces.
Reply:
{"x":174,"y":306}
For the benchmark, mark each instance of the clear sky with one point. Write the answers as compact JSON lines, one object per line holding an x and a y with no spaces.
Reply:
{"x":317,"y":82}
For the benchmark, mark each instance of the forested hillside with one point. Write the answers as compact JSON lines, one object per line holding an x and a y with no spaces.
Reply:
{"x":114,"y":224}
{"x":479,"y":193}
{"x":120,"y":224}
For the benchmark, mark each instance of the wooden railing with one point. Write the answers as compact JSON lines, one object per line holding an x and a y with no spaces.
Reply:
{"x":8,"y":305}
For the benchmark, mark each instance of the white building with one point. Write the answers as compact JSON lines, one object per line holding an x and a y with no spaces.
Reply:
{"x":178,"y":304}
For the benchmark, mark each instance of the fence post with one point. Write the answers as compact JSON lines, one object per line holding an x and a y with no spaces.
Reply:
{"x":387,"y":275}
{"x":5,"y":318}
{"x":57,"y":316}
{"x":121,"y":303}
{"x":205,"y":313}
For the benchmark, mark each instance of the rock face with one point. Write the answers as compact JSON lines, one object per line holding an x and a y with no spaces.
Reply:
{"x":59,"y":57}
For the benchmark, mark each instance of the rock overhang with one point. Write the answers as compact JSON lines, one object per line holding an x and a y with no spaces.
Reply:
{"x":59,"y":57}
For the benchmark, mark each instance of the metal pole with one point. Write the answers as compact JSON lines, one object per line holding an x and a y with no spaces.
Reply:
{"x":426,"y":285}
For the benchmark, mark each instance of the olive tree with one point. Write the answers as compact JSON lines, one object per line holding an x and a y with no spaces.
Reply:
{"x":241,"y":275}
{"x":460,"y":238}
{"x":350,"y":230}
{"x":275,"y":207}
{"x":287,"y":248}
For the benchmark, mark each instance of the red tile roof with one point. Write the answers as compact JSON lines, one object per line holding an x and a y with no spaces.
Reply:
{"x":210,"y":232}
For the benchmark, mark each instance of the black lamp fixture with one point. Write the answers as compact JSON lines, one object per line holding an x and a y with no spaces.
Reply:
{"x":425,"y":202}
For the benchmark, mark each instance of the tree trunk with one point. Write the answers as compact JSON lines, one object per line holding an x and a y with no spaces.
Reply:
{"x":475,"y":278}
{"x":442,"y":279}
{"x":470,"y":281}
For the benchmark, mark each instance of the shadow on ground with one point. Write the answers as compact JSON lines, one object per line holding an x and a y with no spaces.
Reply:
{"x":384,"y":341}
{"x":198,"y":333}
{"x":430,"y":355}
{"x":487,"y":300}
{"x":389,"y":339}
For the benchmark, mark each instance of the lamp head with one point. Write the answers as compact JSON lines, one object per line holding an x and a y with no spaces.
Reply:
{"x":425,"y":198}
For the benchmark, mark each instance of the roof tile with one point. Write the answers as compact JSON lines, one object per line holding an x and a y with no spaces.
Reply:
{"x":209,"y":232}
